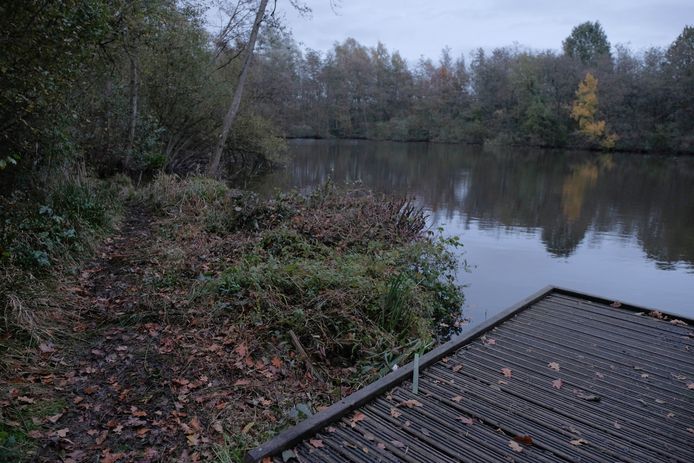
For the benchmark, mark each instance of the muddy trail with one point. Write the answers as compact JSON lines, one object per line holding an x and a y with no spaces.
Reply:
{"x":123,"y":401}
{"x":114,"y":382}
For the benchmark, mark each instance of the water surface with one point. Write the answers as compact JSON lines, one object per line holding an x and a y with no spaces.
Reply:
{"x":620,"y":226}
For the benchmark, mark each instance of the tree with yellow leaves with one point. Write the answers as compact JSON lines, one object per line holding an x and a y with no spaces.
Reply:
{"x":584,"y":110}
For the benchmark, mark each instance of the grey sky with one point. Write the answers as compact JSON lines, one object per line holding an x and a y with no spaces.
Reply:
{"x":419,"y":27}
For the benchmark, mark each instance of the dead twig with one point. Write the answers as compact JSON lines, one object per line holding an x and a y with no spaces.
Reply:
{"x":304,"y":355}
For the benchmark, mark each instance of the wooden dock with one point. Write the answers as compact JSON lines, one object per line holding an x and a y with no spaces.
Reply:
{"x":561,"y":376}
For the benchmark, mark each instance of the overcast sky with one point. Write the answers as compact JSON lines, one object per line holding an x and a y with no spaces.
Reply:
{"x":422,"y":28}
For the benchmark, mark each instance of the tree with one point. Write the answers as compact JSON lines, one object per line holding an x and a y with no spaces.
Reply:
{"x":587,"y":42}
{"x":213,"y":166}
{"x":584,"y":111}
{"x":679,"y":72}
{"x":45,"y":48}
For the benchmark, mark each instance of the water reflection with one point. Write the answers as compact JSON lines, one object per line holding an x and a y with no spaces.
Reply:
{"x":631,"y":214}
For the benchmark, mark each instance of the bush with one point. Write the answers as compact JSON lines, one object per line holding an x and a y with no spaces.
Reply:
{"x":49,"y":231}
{"x":354,"y":275}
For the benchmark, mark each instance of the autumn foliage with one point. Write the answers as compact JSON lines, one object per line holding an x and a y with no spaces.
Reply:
{"x":585,"y":110}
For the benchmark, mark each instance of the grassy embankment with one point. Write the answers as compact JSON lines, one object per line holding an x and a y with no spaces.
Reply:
{"x":232,"y":288}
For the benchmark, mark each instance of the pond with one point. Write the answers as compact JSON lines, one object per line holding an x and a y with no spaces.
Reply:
{"x":614,"y":225}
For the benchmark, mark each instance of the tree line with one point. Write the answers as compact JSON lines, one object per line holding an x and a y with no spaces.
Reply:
{"x":589,"y":95}
{"x":142,"y":86}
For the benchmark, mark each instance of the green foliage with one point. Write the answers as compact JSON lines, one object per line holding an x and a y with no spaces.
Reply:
{"x":543,"y":126}
{"x":344,"y":303}
{"x":45,"y":49}
{"x":350,"y":288}
{"x":39,"y":232}
{"x":587,"y":42}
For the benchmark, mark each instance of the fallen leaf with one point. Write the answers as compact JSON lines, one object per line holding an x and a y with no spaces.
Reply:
{"x":89,"y":390}
{"x":331,"y":429}
{"x":25,"y":399}
{"x":102,"y":438}
{"x":77,"y":400}
{"x":46,"y":347}
{"x":242,"y":382}
{"x":381,"y":445}
{"x":54,"y":419}
{"x":553,"y":365}
{"x":241,"y":349}
{"x":108,"y":457}
{"x":193,"y":439}
{"x":317,"y":443}
{"x":578,"y":442}
{"x":411,"y":403}
{"x":616,"y":304}
{"x":678,"y":322}
{"x":690,"y":386}
{"x":457,"y":368}
{"x":557,"y":383}
{"x":62,"y":432}
{"x":359,"y":416}
{"x":276,"y":362}
{"x":506,"y":372}
{"x":490,"y":341}
{"x":246,"y":429}
{"x":217,"y":426}
{"x":515,"y":446}
{"x":397,"y":443}
{"x":656,"y":314}
{"x":394,"y":412}
{"x":525,"y":439}
{"x":457,"y":398}
{"x":195,"y":424}
{"x":466,"y":420}
{"x":135,"y":412}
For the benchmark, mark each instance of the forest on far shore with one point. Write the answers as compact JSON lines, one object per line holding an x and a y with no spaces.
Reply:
{"x":640,"y":101}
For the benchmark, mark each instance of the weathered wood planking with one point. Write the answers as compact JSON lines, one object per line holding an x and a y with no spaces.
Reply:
{"x":623,"y":396}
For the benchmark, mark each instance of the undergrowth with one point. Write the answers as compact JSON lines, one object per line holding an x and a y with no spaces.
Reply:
{"x":44,"y":233}
{"x":357,"y":277}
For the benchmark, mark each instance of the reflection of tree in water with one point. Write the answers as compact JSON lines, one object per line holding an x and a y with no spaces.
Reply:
{"x":564,"y":195}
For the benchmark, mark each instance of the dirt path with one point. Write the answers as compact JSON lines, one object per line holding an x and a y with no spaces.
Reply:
{"x":154,"y":374}
{"x":117,"y":384}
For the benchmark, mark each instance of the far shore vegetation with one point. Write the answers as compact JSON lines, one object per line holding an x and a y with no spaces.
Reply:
{"x":153,"y":313}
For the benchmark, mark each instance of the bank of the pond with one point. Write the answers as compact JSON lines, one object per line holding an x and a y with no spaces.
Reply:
{"x":213,"y":318}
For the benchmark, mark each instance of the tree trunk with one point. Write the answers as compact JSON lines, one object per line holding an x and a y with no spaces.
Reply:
{"x":132,"y":123}
{"x":213,"y":166}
